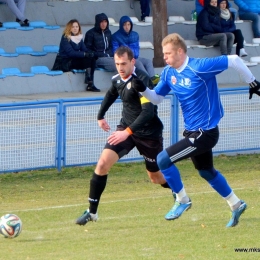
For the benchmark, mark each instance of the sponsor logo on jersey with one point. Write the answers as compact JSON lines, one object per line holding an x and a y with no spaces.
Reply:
{"x":173,"y":80}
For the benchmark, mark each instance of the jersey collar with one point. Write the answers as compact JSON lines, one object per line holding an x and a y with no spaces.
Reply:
{"x":182,"y":67}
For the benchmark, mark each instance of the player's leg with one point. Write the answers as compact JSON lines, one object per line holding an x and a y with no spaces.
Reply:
{"x":173,"y":178}
{"x":204,"y":164}
{"x":97,"y":185}
{"x":150,"y":148}
{"x":108,"y":158}
{"x":194,"y":143}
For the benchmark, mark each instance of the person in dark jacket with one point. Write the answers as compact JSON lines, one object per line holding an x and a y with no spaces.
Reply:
{"x":99,"y":41}
{"x":139,"y":127}
{"x":250,"y":10}
{"x":73,"y":54}
{"x":127,"y":37}
{"x":209,"y":31}
{"x":228,"y":25}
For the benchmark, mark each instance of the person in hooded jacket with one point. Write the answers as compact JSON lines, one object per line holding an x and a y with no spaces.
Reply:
{"x":209,"y":31}
{"x":99,"y":40}
{"x":228,"y":25}
{"x":73,"y":54}
{"x":125,"y":36}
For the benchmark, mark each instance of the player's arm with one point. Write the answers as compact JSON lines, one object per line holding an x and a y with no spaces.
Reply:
{"x":108,"y":100}
{"x":235,"y":62}
{"x":149,"y":94}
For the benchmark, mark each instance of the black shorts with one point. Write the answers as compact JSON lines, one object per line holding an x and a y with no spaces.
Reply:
{"x":148,"y":148}
{"x":197,"y":145}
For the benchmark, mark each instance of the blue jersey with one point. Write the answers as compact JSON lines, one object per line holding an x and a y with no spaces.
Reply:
{"x":195,"y":86}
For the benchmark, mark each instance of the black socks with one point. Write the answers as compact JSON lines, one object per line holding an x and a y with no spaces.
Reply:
{"x":97,"y":186}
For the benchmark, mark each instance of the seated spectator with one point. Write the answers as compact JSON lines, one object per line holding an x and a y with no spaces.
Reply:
{"x":250,"y":10}
{"x":99,"y":41}
{"x":73,"y":54}
{"x":199,"y":5}
{"x":145,"y":9}
{"x":127,"y":37}
{"x":17,"y":7}
{"x":209,"y":30}
{"x":228,"y":25}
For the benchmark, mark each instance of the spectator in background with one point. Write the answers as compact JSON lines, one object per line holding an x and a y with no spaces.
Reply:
{"x":125,"y":36}
{"x":209,"y":31}
{"x":199,"y":5}
{"x":228,"y":25}
{"x":250,"y":10}
{"x":99,"y":41}
{"x":73,"y":54}
{"x":145,"y":9}
{"x":17,"y":7}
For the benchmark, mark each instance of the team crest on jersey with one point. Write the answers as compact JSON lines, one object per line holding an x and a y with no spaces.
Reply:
{"x":173,"y":80}
{"x":128,"y":85}
{"x":186,"y":82}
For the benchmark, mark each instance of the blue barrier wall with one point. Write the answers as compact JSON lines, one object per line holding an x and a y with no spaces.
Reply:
{"x":62,"y":133}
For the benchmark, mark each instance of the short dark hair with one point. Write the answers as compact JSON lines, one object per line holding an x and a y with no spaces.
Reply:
{"x":124,"y":49}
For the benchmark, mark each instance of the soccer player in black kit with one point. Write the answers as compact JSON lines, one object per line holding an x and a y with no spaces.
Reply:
{"x":139,"y":127}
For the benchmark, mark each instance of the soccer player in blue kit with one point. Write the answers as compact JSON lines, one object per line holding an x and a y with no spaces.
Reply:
{"x":193,"y":81}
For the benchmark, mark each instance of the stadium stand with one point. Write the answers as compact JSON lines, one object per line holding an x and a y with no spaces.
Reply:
{"x":44,"y":13}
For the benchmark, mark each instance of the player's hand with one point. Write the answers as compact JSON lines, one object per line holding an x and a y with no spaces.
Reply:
{"x":138,"y":84}
{"x":254,"y":88}
{"x":117,"y":137}
{"x":103,"y":125}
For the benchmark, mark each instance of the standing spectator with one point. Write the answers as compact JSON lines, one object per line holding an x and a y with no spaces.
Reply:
{"x":99,"y":41}
{"x":250,"y":10}
{"x":209,"y":31}
{"x":125,"y":36}
{"x":73,"y":54}
{"x":228,"y":25}
{"x":17,"y":7}
{"x":145,"y":9}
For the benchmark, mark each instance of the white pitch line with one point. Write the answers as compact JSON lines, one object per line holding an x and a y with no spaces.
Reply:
{"x":111,"y":201}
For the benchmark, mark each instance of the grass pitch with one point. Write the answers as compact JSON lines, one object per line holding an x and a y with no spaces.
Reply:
{"x":131,"y":221}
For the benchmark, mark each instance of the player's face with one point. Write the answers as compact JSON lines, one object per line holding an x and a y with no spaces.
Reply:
{"x":172,"y":56}
{"x":75,"y":28}
{"x":103,"y":25}
{"x":124,"y":66}
{"x":127,"y":27}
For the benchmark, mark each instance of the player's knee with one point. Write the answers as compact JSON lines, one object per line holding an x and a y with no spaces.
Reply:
{"x":102,"y":166}
{"x":208,"y":174}
{"x":163,"y":160}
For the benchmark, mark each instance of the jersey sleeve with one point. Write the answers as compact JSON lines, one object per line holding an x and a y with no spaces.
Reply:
{"x":209,"y":67}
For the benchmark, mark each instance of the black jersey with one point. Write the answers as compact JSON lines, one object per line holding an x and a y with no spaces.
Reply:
{"x":138,"y":113}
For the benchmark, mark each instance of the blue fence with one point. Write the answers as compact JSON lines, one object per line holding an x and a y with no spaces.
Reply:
{"x":62,"y":133}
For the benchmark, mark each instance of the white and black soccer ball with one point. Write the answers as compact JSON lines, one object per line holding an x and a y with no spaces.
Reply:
{"x":10,"y":226}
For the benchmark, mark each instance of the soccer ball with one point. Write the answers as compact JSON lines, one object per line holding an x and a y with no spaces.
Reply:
{"x":10,"y":226}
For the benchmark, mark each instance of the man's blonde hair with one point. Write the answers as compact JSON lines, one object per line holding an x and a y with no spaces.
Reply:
{"x":176,"y":40}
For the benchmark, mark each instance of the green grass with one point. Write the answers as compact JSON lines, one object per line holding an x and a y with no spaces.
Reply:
{"x":131,"y":221}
